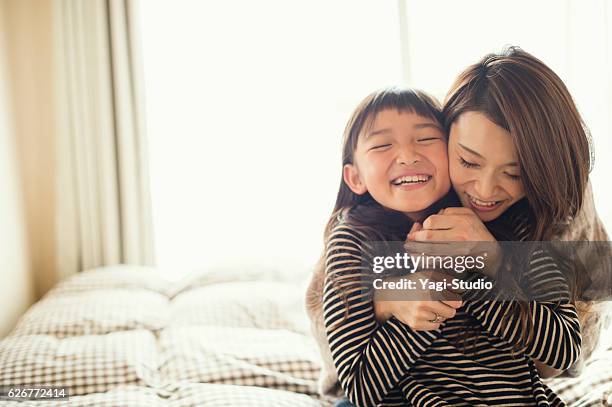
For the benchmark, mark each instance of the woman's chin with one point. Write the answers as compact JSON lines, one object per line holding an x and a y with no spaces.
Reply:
{"x":489,"y":216}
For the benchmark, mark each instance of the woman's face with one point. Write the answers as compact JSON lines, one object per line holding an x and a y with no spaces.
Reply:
{"x":483,"y":165}
{"x":402,"y":161}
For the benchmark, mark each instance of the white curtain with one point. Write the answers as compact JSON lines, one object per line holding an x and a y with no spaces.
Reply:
{"x":103,"y":206}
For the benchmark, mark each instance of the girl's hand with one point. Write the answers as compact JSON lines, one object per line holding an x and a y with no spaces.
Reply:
{"x":419,"y":314}
{"x":460,"y":225}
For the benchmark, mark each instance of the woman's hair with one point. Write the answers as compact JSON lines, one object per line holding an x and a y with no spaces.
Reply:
{"x":364,"y":215}
{"x":519,"y":93}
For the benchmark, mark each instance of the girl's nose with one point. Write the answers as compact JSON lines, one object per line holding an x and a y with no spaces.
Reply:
{"x":407,"y":156}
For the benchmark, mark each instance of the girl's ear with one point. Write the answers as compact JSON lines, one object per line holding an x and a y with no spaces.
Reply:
{"x":350,"y":173}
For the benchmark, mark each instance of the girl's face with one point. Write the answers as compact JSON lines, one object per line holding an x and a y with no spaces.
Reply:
{"x":483,"y":165}
{"x":402,"y":161}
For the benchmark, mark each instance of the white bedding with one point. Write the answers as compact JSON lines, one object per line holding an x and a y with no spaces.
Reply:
{"x":124,"y":336}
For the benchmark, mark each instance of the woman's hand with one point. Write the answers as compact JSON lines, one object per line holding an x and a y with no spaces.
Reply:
{"x":452,"y":225}
{"x":459,"y":225}
{"x":421,"y":312}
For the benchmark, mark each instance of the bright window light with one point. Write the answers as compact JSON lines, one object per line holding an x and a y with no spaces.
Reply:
{"x":246,"y":103}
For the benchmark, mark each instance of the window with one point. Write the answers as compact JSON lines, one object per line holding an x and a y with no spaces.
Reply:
{"x":246,"y":104}
{"x":247,"y":101}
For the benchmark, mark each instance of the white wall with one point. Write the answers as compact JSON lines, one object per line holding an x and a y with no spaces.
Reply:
{"x":16,"y":285}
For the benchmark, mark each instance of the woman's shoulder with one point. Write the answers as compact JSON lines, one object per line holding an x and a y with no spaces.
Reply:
{"x":586,"y":225}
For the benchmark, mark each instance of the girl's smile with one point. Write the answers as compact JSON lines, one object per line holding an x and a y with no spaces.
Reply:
{"x":411,"y":180}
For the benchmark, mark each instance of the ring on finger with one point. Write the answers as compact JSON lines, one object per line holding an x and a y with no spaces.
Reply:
{"x":437,"y":319}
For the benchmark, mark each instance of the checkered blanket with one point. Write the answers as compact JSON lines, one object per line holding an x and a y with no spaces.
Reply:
{"x":124,"y":336}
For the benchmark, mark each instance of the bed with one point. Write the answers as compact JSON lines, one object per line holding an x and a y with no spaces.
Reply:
{"x":125,"y":336}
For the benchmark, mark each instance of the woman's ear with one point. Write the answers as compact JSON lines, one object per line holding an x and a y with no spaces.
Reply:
{"x":350,"y":173}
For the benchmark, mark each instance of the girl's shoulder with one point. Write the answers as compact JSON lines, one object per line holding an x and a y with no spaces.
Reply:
{"x":342,"y":228}
{"x":375,"y":223}
{"x":365,"y":228}
{"x":345,"y":233}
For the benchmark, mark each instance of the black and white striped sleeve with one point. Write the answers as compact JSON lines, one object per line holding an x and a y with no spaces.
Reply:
{"x":556,"y":339}
{"x":370,"y":358}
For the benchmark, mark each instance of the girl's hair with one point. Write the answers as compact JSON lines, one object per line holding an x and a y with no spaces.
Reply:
{"x":516,"y":91}
{"x":366,"y":216}
{"x":519,"y":93}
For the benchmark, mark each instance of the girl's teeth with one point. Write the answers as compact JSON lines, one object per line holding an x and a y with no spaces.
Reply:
{"x":411,"y":179}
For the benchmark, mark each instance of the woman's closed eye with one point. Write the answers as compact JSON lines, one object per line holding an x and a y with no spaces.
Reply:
{"x":467,"y":164}
{"x":514,"y":177}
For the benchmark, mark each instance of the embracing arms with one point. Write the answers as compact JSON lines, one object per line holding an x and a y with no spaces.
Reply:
{"x":556,"y":339}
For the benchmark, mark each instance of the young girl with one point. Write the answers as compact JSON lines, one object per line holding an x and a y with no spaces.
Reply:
{"x":387,"y":183}
{"x":394,"y":145}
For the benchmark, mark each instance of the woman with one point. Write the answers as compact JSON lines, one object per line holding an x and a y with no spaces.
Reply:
{"x":516,"y":98}
{"x":515,"y":134}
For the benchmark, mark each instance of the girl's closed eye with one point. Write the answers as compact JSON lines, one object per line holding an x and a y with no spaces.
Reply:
{"x":380,"y":147}
{"x":467,"y":164}
{"x":428,"y":140}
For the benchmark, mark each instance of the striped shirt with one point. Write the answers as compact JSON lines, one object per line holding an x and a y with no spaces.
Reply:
{"x":389,"y":364}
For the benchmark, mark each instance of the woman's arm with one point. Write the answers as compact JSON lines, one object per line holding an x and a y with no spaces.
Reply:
{"x":370,"y":358}
{"x":556,"y":339}
{"x":556,"y":342}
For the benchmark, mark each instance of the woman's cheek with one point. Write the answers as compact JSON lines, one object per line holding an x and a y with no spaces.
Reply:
{"x":442,"y":158}
{"x":457,"y":174}
{"x":443,"y":168}
{"x":517,"y":190}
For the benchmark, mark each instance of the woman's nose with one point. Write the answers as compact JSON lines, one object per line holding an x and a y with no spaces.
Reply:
{"x":485,"y":187}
